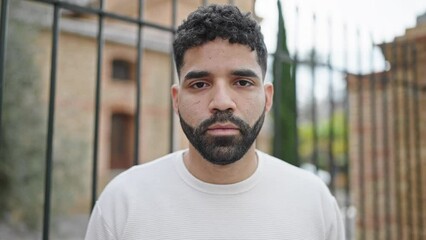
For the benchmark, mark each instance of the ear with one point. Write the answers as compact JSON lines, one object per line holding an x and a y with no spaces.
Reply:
{"x":269,"y":96}
{"x":175,"y":97}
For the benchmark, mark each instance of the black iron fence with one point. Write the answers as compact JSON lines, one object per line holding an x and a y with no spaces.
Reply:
{"x":371,"y":154}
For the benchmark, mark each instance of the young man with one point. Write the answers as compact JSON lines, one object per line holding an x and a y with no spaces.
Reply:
{"x":221,"y":187}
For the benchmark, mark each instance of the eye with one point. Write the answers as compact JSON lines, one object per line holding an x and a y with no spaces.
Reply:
{"x":199,"y":85}
{"x":244,"y":83}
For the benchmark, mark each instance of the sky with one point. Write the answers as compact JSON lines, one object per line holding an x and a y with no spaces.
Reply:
{"x":352,"y":27}
{"x":384,"y":19}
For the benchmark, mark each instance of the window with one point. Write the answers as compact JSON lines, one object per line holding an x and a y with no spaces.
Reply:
{"x":121,"y":70}
{"x":122,"y":133}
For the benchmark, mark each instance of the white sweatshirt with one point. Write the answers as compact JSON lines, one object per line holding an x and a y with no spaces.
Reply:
{"x":162,"y":200}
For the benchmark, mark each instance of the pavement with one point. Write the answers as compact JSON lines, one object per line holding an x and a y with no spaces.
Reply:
{"x":64,"y":228}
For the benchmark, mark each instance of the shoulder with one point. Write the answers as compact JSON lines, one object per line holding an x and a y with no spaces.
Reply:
{"x":150,"y":168}
{"x":291,"y":176}
{"x":142,"y":176}
{"x":125,"y":191}
{"x":283,"y":168}
{"x":298,"y":187}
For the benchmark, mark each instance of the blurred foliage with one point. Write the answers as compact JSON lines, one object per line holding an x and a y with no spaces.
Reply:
{"x":22,"y":132}
{"x":23,"y":138}
{"x":323,"y":131}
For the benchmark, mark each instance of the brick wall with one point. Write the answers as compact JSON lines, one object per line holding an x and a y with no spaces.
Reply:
{"x":388,"y":143}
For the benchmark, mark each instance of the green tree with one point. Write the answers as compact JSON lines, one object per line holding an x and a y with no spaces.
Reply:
{"x":285,"y":108}
{"x":23,"y":129}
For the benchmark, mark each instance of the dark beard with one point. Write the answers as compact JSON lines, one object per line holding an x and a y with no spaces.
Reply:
{"x":222,"y":150}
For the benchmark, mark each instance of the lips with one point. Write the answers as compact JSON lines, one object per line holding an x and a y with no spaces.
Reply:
{"x":223,"y":129}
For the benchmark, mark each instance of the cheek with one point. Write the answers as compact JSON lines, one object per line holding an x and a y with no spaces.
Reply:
{"x":192,"y":110}
{"x":253,"y":108}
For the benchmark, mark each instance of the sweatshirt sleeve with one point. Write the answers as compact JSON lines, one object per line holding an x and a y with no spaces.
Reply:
{"x":336,"y":229}
{"x":97,"y":228}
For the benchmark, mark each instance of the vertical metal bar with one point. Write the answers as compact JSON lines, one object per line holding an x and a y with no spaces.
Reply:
{"x":278,"y":143}
{"x":417,"y":143}
{"x":409,"y":167}
{"x":172,"y":77}
{"x":3,"y":42}
{"x":332,"y":164}
{"x":361,"y":167}
{"x":348,"y":201}
{"x":373,"y":161}
{"x":100,"y":43}
{"x":385,"y":112}
{"x":294,"y":71}
{"x":50,"y":124}
{"x":314,"y":104}
{"x":296,"y":38}
{"x":138,"y":86}
{"x":396,"y":133}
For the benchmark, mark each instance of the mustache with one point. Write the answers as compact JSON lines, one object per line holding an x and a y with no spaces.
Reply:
{"x":221,"y":117}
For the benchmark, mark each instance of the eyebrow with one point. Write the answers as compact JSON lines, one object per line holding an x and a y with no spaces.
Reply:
{"x":245,"y":73}
{"x":196,"y":74}
{"x":239,"y":73}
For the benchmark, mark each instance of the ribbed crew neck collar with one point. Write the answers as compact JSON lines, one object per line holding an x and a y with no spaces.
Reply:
{"x":220,"y":189}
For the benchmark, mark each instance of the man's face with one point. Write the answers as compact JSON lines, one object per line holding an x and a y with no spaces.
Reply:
{"x":221,"y":100}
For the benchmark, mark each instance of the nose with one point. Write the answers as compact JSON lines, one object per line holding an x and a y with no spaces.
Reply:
{"x":221,"y":99}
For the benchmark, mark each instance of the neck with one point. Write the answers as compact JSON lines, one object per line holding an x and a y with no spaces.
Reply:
{"x":220,"y":174}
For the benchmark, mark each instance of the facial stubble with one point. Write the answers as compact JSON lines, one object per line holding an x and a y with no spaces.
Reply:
{"x":222,"y":150}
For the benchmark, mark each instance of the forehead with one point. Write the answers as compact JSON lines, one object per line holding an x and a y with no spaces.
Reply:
{"x":220,"y":56}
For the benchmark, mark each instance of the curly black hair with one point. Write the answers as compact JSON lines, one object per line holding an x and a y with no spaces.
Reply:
{"x":223,"y":21}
